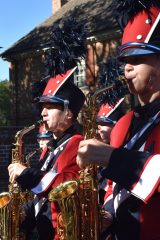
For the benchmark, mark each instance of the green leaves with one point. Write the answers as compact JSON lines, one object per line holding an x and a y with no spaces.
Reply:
{"x":5,"y":103}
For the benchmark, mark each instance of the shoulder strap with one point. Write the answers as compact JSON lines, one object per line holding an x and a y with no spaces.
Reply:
{"x":141,"y":140}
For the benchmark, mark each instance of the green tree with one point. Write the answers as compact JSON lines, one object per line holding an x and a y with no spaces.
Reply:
{"x":5,"y":103}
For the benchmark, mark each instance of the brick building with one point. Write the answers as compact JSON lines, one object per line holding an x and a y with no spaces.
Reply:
{"x":26,"y":55}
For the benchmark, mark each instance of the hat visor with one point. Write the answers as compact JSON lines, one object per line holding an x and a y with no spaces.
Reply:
{"x":40,"y":135}
{"x":104,"y":121}
{"x":134,"y":52}
{"x":51,"y":99}
{"x":136,"y":49}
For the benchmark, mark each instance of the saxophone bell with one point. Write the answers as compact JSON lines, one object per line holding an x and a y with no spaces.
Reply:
{"x":68,"y":224}
{"x":63,"y":190}
{"x":5,"y":199}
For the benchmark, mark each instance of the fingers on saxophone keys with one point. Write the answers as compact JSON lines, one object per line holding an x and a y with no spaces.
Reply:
{"x":12,"y":177}
{"x":82,"y":153}
{"x":11,"y":173}
{"x":9,"y":169}
{"x":80,"y":162}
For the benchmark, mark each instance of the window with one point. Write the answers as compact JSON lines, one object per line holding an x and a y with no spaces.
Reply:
{"x":80,"y":74}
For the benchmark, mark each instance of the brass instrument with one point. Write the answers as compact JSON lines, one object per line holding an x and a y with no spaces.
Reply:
{"x":12,"y":202}
{"x":4,"y":215}
{"x":80,"y":215}
{"x":68,"y":222}
{"x":31,"y":154}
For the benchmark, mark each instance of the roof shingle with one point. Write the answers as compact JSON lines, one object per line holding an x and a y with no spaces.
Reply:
{"x":96,"y":14}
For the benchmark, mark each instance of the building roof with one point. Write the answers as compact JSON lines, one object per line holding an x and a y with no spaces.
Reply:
{"x":96,"y":14}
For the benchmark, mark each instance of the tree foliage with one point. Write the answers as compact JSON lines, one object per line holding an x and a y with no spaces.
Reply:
{"x":5,"y":103}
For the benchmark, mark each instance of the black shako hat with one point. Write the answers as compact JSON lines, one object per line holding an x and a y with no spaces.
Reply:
{"x":62,"y":91}
{"x":43,"y":133}
{"x":110,"y":114}
{"x":140,"y":21}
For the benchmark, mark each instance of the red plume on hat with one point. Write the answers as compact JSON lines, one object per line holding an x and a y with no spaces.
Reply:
{"x":140,"y":21}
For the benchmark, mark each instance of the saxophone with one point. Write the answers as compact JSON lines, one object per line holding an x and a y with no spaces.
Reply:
{"x":12,"y":202}
{"x":81,"y":215}
{"x":31,"y":155}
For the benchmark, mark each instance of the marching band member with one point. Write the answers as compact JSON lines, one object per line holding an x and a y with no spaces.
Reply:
{"x":43,"y":137}
{"x":107,"y":117}
{"x":60,"y":102}
{"x":59,"y":111}
{"x":133,"y":160}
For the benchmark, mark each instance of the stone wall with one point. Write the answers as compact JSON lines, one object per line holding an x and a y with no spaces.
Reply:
{"x":7,"y":140}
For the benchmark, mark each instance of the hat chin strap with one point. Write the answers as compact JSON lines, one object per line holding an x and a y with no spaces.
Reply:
{"x":66,"y":103}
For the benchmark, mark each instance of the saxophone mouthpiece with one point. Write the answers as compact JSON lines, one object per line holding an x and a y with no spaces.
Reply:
{"x":38,"y":123}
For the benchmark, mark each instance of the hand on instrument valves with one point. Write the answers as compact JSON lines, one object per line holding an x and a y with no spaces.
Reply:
{"x":15,"y":169}
{"x":93,"y":151}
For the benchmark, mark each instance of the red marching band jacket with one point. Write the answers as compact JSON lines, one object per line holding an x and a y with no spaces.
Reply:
{"x":133,"y":189}
{"x":66,"y":169}
{"x":63,"y":168}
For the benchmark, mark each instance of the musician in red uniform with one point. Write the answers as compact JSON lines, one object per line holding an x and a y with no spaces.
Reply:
{"x":60,"y":102}
{"x":107,"y":117}
{"x":43,"y":136}
{"x":59,"y":112}
{"x":133,"y":161}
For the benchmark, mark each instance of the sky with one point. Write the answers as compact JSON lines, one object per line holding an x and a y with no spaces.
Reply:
{"x":18,"y":18}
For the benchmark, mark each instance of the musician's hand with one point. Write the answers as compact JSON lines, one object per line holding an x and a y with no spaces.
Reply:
{"x":15,"y":169}
{"x":93,"y":151}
